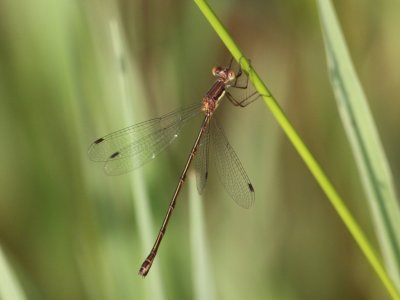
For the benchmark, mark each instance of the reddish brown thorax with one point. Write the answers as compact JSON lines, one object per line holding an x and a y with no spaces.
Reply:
{"x":217,"y":91}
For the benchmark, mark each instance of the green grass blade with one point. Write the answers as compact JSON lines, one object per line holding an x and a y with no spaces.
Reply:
{"x":141,"y":203}
{"x":202,"y":273}
{"x":364,"y":139}
{"x":10,"y":288}
{"x":302,"y":149}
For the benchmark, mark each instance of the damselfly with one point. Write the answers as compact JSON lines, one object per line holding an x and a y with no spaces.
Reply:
{"x":132,"y":147}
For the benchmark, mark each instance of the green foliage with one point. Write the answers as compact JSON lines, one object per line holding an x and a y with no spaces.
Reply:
{"x":364,"y":139}
{"x":312,"y":164}
{"x":72,"y":71}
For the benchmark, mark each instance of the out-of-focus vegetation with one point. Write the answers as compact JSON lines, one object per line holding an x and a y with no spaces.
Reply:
{"x":70,"y":232}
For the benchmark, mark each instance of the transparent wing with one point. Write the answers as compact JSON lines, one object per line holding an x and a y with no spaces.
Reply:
{"x":131,"y":147}
{"x":231,"y":172}
{"x":201,"y":161}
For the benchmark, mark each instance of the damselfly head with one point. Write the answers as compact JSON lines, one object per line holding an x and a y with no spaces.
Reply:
{"x":231,"y":75}
{"x":216,"y":70}
{"x":225,"y":74}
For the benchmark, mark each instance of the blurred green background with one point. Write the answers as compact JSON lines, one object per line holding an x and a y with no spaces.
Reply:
{"x":72,"y":71}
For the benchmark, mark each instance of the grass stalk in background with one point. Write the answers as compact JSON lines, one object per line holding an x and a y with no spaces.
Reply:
{"x":141,"y":203}
{"x":202,"y":274}
{"x":10,"y":288}
{"x":364,"y":139}
{"x":301,"y":148}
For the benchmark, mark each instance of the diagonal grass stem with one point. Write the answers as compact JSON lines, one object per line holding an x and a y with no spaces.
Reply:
{"x":302,"y":149}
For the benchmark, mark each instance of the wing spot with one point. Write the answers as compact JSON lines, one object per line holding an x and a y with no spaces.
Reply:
{"x":206,"y":175}
{"x":114,"y":155}
{"x":251,"y":187}
{"x":98,"y":141}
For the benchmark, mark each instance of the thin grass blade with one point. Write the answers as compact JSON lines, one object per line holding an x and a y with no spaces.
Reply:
{"x":201,"y":265}
{"x":141,"y":203}
{"x":364,"y":139}
{"x":10,"y":288}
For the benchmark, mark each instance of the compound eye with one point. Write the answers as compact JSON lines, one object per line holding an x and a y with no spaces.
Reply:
{"x":216,"y":70}
{"x":231,"y":75}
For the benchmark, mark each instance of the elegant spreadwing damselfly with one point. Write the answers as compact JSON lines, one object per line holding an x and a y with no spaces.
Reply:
{"x":132,"y":147}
